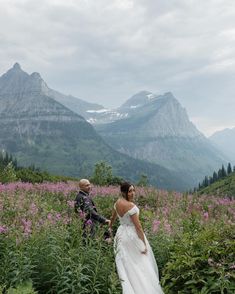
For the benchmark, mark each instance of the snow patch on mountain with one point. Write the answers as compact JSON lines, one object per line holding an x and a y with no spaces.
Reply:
{"x":98,"y":111}
{"x":150,"y":96}
{"x":135,"y":106}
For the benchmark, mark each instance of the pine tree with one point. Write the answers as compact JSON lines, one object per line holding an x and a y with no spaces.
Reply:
{"x":8,"y":174}
{"x":215,"y":176}
{"x":211,"y":181}
{"x":1,"y":160}
{"x":206,"y":181}
{"x":223,"y":172}
{"x":229,"y":169}
{"x":6,"y":159}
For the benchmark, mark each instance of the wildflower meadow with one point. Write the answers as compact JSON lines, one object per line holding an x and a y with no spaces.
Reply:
{"x":42,"y":251}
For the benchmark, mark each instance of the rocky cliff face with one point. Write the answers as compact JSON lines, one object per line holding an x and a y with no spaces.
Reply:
{"x":158,"y":130}
{"x":39,"y":130}
{"x":23,"y":96}
{"x":160,"y":116}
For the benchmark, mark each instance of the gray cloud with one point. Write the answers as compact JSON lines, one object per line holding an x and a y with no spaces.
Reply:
{"x":105,"y":51}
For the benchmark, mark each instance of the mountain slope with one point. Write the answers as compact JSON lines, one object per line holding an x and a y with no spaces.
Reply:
{"x":157,"y":129}
{"x":38,"y":130}
{"x":78,"y":106}
{"x":225,"y":141}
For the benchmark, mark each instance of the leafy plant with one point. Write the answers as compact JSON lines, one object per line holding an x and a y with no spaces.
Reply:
{"x":202,"y":262}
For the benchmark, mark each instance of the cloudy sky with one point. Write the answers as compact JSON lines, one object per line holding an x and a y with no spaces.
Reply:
{"x":105,"y":51}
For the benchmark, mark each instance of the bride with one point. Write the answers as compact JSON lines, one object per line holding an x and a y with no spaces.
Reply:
{"x":135,"y":262}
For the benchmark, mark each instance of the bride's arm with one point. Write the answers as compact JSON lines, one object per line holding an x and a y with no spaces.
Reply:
{"x":139,"y":229}
{"x":112,"y":219}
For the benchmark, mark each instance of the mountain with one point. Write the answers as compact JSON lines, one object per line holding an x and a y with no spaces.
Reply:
{"x":225,"y":141}
{"x":157,"y":129}
{"x":39,"y":130}
{"x":93,"y":113}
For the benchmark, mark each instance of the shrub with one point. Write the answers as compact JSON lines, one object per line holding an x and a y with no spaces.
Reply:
{"x":8,"y":174}
{"x":102,"y":173}
{"x":202,"y":262}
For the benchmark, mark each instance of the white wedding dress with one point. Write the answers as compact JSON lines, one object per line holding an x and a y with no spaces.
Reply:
{"x":137,"y":272}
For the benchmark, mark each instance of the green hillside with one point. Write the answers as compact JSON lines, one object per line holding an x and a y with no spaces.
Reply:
{"x":222,"y":187}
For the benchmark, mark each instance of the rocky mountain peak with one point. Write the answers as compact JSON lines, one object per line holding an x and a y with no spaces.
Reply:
{"x":24,"y":95}
{"x":12,"y":80}
{"x":16,"y":66}
{"x":36,"y":84}
{"x":16,"y":81}
{"x":143,"y":98}
{"x":136,"y":100}
{"x":167,"y":117}
{"x":15,"y":71}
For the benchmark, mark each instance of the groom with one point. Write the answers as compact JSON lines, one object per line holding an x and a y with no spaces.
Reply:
{"x":84,"y":203}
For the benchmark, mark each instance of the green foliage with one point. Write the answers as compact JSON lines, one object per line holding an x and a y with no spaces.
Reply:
{"x":143,"y":181}
{"x":194,"y":244}
{"x":103,"y":175}
{"x":161,"y":246}
{"x":57,"y":261}
{"x":201,"y":262}
{"x":25,"y":288}
{"x":222,"y":187}
{"x":32,"y":175}
{"x":8,"y":174}
{"x":6,"y":158}
{"x":220,"y":183}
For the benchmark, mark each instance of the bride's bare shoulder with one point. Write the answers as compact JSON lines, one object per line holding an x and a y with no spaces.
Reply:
{"x":124,"y":203}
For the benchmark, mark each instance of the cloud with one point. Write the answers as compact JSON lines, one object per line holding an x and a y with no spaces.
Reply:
{"x":104,"y":51}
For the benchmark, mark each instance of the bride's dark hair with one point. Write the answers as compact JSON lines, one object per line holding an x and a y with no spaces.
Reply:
{"x":125,"y":186}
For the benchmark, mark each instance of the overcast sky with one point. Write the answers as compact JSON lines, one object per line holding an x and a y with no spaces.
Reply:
{"x":105,"y":51}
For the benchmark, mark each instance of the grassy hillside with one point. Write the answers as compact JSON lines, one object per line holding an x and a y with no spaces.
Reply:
{"x":223,"y":187}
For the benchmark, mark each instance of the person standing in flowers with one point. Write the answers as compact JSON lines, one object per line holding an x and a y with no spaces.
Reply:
{"x":135,"y":262}
{"x":85,"y":204}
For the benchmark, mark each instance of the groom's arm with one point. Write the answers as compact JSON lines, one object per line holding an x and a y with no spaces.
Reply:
{"x":93,"y":215}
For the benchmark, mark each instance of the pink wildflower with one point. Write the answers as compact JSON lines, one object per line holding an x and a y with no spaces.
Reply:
{"x":33,"y":208}
{"x":206,"y":215}
{"x":3,"y":229}
{"x":27,"y":226}
{"x":71,"y":203}
{"x":58,"y":216}
{"x":49,"y":216}
{"x":167,"y":227}
{"x":82,"y":214}
{"x":155,"y":226}
{"x":89,"y":222}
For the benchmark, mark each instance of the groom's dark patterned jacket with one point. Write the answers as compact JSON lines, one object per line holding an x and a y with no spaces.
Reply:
{"x":84,"y":203}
